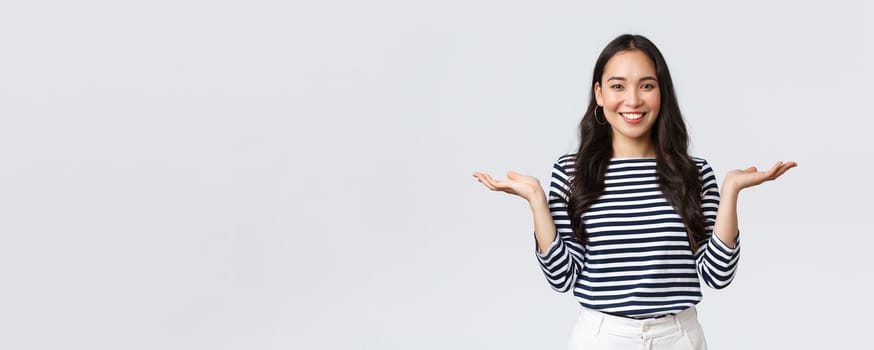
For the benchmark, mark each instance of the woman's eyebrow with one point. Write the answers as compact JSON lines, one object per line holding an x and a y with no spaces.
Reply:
{"x":648,"y":77}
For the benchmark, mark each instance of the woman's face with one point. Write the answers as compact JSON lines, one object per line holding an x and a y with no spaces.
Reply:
{"x":630,"y":95}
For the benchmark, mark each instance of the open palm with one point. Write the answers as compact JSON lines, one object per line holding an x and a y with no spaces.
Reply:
{"x":751,"y":176}
{"x":518,"y":184}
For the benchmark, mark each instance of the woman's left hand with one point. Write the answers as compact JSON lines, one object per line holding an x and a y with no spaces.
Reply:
{"x":749,"y":177}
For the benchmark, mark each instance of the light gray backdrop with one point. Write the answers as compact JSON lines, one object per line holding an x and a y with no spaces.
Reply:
{"x":274,"y":175}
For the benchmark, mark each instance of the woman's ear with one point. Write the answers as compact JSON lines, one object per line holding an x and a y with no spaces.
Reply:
{"x":598,"y":97}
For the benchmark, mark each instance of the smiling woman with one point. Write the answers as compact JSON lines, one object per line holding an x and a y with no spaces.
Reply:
{"x":630,"y":101}
{"x":632,"y":223}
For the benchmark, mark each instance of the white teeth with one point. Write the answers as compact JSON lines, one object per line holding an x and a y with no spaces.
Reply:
{"x":632,"y":116}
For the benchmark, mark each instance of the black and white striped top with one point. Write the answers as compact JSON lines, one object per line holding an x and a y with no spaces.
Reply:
{"x":637,"y":261}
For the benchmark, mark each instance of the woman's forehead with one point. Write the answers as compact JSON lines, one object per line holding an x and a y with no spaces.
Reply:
{"x":629,"y":63}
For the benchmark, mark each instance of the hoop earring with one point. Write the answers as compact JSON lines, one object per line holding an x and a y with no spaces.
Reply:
{"x":596,"y":116}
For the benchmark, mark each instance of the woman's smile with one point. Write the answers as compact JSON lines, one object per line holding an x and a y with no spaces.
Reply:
{"x":632,"y":117}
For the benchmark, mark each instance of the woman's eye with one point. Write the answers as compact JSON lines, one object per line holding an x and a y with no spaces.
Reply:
{"x":616,"y":86}
{"x":648,"y":86}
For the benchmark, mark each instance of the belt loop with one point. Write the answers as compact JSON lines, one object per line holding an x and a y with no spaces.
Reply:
{"x":679,"y":322}
{"x":600,"y":324}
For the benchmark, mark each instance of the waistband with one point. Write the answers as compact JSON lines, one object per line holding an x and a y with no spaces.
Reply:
{"x":634,"y":318}
{"x":648,"y":327}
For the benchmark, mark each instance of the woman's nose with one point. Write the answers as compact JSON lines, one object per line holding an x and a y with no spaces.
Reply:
{"x":633,"y":98}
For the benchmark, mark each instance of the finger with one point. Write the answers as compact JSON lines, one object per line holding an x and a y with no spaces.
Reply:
{"x":789,"y":165}
{"x":487,"y":180}
{"x":779,"y":173}
{"x":751,"y":169}
{"x":784,"y":168}
{"x":773,"y":171}
{"x":496,"y":184}
{"x":483,"y":179}
{"x":779,"y":169}
{"x":488,"y":184}
{"x":479,"y":176}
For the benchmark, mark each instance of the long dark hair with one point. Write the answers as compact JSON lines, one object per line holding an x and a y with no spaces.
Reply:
{"x":677,"y":173}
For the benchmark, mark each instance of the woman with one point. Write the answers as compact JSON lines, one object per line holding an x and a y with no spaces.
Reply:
{"x":632,"y":223}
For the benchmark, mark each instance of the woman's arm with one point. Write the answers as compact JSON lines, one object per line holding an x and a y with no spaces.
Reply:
{"x":726,"y":217}
{"x":717,"y":257}
{"x":560,"y":256}
{"x":529,"y":189}
{"x":544,"y":226}
{"x":736,"y":180}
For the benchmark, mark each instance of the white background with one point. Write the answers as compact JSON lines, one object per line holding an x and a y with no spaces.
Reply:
{"x":273,"y":175}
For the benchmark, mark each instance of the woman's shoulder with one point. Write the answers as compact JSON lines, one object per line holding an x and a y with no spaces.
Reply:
{"x":702,"y":164}
{"x":566,"y":158}
{"x":565,"y":163}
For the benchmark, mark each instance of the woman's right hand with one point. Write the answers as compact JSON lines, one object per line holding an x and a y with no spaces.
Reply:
{"x":527,"y":187}
{"x":524,"y":186}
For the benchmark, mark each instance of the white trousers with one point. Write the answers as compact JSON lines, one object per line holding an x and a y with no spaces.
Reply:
{"x":598,"y":331}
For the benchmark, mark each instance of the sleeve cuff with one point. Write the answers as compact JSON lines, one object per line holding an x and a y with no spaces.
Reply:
{"x":724,"y":248}
{"x":550,"y":251}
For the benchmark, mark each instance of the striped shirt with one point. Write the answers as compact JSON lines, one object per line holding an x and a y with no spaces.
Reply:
{"x":637,"y":261}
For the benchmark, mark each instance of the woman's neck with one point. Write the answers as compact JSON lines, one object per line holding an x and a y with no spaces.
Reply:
{"x":633,"y":150}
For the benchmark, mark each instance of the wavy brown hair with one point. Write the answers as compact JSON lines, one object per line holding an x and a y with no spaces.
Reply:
{"x":677,"y":173}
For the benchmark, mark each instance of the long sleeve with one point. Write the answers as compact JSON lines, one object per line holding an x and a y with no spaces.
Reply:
{"x":563,"y":259}
{"x":716,"y":262}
